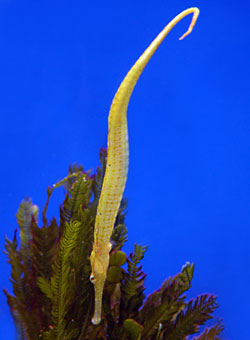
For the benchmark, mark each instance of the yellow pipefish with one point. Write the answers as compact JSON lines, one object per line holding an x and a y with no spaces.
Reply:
{"x":117,"y":164}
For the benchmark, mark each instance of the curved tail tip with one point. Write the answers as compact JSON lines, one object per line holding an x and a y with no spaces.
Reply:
{"x":196,"y":12}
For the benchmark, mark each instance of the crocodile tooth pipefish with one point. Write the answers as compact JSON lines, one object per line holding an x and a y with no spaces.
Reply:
{"x":117,"y":164}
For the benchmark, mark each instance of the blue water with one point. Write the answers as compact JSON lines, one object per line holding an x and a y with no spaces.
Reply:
{"x":188,"y":184}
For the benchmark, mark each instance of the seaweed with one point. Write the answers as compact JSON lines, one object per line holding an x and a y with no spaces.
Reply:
{"x":53,"y":298}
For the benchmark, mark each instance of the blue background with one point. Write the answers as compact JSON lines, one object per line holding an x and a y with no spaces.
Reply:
{"x":61,"y":63}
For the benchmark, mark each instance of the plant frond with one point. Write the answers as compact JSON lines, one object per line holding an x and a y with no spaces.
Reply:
{"x":26,"y":211}
{"x":211,"y":333}
{"x":50,"y":190}
{"x":132,"y":285}
{"x":80,"y":266}
{"x":21,"y":304}
{"x":17,"y":269}
{"x":73,"y":169}
{"x":45,"y":287}
{"x":84,"y":240}
{"x":24,"y":271}
{"x":79,"y":196}
{"x":11,"y":248}
{"x":161,"y":306}
{"x":24,"y":320}
{"x":18,"y":319}
{"x":43,"y":248}
{"x":134,"y":277}
{"x":188,"y":321}
{"x":60,"y":282}
{"x":184,"y":278}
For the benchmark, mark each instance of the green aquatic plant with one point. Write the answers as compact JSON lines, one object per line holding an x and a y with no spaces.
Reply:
{"x":53,"y":297}
{"x":54,"y":265}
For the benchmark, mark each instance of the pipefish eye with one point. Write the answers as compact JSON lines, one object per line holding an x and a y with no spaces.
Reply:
{"x":92,"y":278}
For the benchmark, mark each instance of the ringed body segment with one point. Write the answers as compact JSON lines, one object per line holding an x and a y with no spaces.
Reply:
{"x":117,"y":164}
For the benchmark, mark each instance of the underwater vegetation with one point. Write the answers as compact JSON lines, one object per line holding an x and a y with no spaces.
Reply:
{"x":71,"y":280}
{"x":53,"y":297}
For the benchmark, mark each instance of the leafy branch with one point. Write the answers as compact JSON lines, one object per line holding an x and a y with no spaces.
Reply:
{"x":52,"y":296}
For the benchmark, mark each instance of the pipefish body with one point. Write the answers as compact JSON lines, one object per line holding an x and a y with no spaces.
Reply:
{"x":117,"y":164}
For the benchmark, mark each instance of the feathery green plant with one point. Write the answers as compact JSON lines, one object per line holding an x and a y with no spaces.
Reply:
{"x":53,"y":297}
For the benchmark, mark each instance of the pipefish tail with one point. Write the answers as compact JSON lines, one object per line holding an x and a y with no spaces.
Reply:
{"x":117,"y":164}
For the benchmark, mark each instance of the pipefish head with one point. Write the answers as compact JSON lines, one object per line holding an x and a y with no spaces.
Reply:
{"x":98,"y":277}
